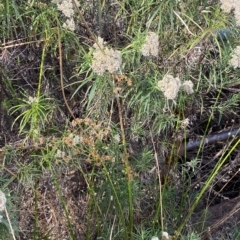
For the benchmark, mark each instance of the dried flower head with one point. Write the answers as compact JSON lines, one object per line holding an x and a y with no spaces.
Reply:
{"x":77,"y":139}
{"x":170,"y":86}
{"x":154,"y":238}
{"x":3,"y":201}
{"x":105,"y":59}
{"x":150,"y":47}
{"x":235,"y":60}
{"x":188,"y":87}
{"x":229,"y":5}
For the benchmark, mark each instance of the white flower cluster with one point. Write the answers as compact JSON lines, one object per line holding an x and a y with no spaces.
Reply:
{"x":184,"y":123}
{"x":235,"y":60}
{"x":60,"y":154}
{"x":188,"y":87}
{"x":32,"y":100}
{"x":67,"y":8}
{"x":165,"y":236}
{"x":170,"y":86}
{"x":151,"y":45}
{"x":228,"y":5}
{"x":116,"y":138}
{"x":69,"y":24}
{"x":154,"y":238}
{"x":105,"y":59}
{"x":76,"y":139}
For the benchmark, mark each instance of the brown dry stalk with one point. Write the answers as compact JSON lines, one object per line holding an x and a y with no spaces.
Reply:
{"x":123,"y":135}
{"x":20,"y":44}
{"x":61,"y":73}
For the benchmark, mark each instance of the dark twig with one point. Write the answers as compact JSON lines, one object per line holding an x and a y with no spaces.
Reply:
{"x":224,"y":135}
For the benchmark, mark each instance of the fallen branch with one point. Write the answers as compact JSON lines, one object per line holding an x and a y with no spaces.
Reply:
{"x":221,"y":136}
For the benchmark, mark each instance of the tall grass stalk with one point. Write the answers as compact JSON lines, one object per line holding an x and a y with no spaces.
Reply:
{"x":121,"y":214}
{"x":10,"y":225}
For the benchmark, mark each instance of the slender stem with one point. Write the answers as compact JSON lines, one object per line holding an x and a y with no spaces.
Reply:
{"x":87,"y":27}
{"x":9,"y":222}
{"x":128,"y":169}
{"x":159,"y":179}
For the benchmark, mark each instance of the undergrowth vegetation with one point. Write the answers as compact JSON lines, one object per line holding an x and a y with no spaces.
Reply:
{"x":99,"y":104}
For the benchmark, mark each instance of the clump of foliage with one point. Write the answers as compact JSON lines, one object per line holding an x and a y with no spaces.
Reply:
{"x":97,"y":99}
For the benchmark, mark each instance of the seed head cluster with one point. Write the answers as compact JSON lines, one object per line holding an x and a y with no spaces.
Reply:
{"x":151,"y":45}
{"x":170,"y":86}
{"x":105,"y":59}
{"x":229,"y":5}
{"x":235,"y":60}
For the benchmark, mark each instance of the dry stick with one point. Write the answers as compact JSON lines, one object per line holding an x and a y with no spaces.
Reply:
{"x":21,"y":44}
{"x":61,"y":74}
{"x":9,"y":222}
{"x":224,"y":135}
{"x":8,"y":170}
